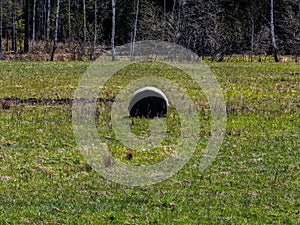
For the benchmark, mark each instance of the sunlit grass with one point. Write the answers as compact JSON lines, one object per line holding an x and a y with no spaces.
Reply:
{"x":255,"y":178}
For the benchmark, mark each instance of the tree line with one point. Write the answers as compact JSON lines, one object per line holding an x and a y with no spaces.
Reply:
{"x":214,"y":28}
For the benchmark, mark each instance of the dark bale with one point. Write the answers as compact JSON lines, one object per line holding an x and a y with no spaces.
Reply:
{"x":149,"y":107}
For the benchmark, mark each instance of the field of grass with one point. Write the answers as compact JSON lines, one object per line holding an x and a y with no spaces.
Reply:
{"x":255,"y":179}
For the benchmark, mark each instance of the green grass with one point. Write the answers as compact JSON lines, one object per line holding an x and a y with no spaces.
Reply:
{"x":255,"y":178}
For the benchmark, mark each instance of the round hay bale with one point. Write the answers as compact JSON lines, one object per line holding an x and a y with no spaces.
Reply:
{"x":148,"y":102}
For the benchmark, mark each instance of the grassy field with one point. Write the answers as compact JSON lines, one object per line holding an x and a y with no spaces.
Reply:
{"x":255,"y":178}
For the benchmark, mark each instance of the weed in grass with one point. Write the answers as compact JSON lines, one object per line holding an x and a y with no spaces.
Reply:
{"x":5,"y":104}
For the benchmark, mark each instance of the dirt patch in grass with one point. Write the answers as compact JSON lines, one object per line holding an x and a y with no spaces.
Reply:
{"x":6,"y":102}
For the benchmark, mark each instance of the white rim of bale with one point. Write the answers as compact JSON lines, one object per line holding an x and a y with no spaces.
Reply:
{"x":144,"y":93}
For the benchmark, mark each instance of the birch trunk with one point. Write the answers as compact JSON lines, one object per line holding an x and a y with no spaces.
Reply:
{"x":134,"y":31}
{"x":95,"y":30}
{"x":113,"y":3}
{"x":56,"y":31}
{"x":84,"y":27}
{"x":14,"y":38}
{"x":275,"y":49}
{"x":164,"y":20}
{"x":252,"y":38}
{"x":33,"y":25}
{"x":0,"y":29}
{"x":173,"y":8}
{"x":165,"y":8}
{"x":69,"y":20}
{"x":48,"y":25}
{"x":26,"y":37}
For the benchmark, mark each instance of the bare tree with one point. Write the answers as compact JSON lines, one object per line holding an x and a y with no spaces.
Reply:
{"x":275,"y":49}
{"x":95,"y":29}
{"x":33,"y":26}
{"x":56,"y":30}
{"x":48,"y":24}
{"x":84,"y":27}
{"x":113,"y":4}
{"x":134,"y":30}
{"x":0,"y":29}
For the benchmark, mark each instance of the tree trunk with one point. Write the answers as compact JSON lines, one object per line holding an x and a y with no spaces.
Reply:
{"x":95,"y":30}
{"x":48,"y":25}
{"x":252,"y":38}
{"x":0,"y":29}
{"x":84,"y":27}
{"x":69,"y":20}
{"x":113,"y":3}
{"x":14,"y":39}
{"x":165,"y":8}
{"x":174,"y":5}
{"x":134,"y":30}
{"x":7,"y":37}
{"x":26,"y":37}
{"x":178,"y":22}
{"x":164,"y":20}
{"x":33,"y":25}
{"x":56,"y":31}
{"x":44,"y":23}
{"x":274,"y":46}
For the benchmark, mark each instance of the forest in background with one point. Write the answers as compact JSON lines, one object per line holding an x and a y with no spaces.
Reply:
{"x":84,"y":29}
